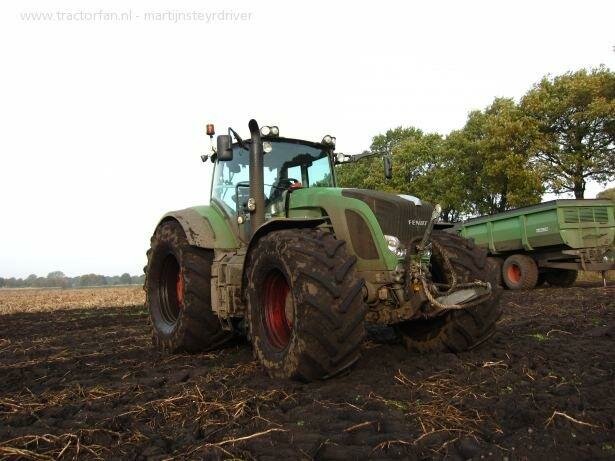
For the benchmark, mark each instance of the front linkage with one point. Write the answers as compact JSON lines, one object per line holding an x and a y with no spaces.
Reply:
{"x":442,"y":297}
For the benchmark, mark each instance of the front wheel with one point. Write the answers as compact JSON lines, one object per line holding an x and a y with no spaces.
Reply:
{"x":305,"y":304}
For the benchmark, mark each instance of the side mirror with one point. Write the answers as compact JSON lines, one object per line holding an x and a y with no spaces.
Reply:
{"x":388,"y":166}
{"x":224,"y":149}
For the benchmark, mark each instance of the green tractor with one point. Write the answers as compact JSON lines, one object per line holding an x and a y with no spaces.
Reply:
{"x":300,"y":266}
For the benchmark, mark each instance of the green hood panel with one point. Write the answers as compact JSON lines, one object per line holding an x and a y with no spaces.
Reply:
{"x":329,"y":201}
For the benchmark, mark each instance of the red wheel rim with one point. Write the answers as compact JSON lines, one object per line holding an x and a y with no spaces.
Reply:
{"x":179,"y":288}
{"x":171,"y":290}
{"x":514,"y":273}
{"x":278,"y":310}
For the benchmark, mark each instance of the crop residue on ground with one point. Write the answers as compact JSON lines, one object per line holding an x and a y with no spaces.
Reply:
{"x":80,"y":379}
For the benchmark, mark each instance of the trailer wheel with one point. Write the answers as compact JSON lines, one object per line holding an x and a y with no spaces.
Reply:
{"x":520,"y":272}
{"x":463,"y":329}
{"x":561,"y":277}
{"x":305,"y":304}
{"x":178,"y":293}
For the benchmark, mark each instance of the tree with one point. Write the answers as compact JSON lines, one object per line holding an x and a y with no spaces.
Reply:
{"x":41,"y":282}
{"x":125,"y":279}
{"x":607,"y":194}
{"x":31,"y":280}
{"x":421,"y":168}
{"x":491,"y":157}
{"x":14,"y":283}
{"x":387,"y":143}
{"x":575,"y":113}
{"x":368,"y":173}
{"x":90,"y":280}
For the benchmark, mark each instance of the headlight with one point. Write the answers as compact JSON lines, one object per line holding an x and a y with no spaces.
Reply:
{"x":265,"y":130}
{"x":395,"y":246}
{"x":267,"y":147}
{"x":341,"y":158}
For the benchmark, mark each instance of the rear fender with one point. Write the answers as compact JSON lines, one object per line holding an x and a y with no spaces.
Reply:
{"x":204,"y":226}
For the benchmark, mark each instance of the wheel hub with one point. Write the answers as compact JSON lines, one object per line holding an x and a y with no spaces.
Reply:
{"x":179,"y":287}
{"x":514,"y":273}
{"x":278,"y":310}
{"x":172,"y":290}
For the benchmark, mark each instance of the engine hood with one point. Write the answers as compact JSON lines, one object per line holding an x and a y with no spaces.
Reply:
{"x":403,"y":216}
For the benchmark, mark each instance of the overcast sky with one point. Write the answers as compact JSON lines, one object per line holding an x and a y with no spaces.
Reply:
{"x":102,"y":119}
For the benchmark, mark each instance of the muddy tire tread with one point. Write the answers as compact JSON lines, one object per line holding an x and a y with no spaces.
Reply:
{"x":198,"y":328}
{"x":332,"y":311}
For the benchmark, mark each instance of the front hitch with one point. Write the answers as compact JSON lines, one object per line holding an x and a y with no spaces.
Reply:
{"x":442,"y":297}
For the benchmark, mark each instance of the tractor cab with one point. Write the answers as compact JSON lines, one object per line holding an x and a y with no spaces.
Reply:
{"x":288,"y":164}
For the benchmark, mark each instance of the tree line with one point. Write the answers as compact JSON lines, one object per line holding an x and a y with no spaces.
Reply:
{"x":57,"y":279}
{"x":556,"y":138}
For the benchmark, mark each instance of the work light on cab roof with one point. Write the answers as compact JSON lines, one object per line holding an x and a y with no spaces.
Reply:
{"x":329,"y":140}
{"x":273,"y":131}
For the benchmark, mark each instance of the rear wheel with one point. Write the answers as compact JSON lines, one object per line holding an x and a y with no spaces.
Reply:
{"x":462,"y":329}
{"x":305,"y":304}
{"x":520,"y":272}
{"x":561,"y":277}
{"x":178,"y":295}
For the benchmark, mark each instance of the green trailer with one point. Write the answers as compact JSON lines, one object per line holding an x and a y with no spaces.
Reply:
{"x":549,"y":242}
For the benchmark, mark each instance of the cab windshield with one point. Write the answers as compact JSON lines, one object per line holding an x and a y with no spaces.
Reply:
{"x":288,"y":165}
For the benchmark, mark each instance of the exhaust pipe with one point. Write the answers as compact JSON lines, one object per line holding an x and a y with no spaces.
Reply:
{"x":257,"y":180}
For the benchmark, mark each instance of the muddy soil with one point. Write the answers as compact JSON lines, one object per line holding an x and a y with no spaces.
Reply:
{"x":87,"y":383}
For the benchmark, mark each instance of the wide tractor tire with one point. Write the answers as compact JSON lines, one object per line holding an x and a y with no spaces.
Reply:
{"x":178,"y":293}
{"x":520,"y":272}
{"x":305,"y":304}
{"x":462,"y":329}
{"x":561,"y":277}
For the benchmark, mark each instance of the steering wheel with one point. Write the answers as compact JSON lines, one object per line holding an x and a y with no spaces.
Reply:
{"x":288,"y":184}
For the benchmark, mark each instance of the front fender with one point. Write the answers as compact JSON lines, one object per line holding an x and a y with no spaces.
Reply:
{"x":205,"y":227}
{"x":278,"y":224}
